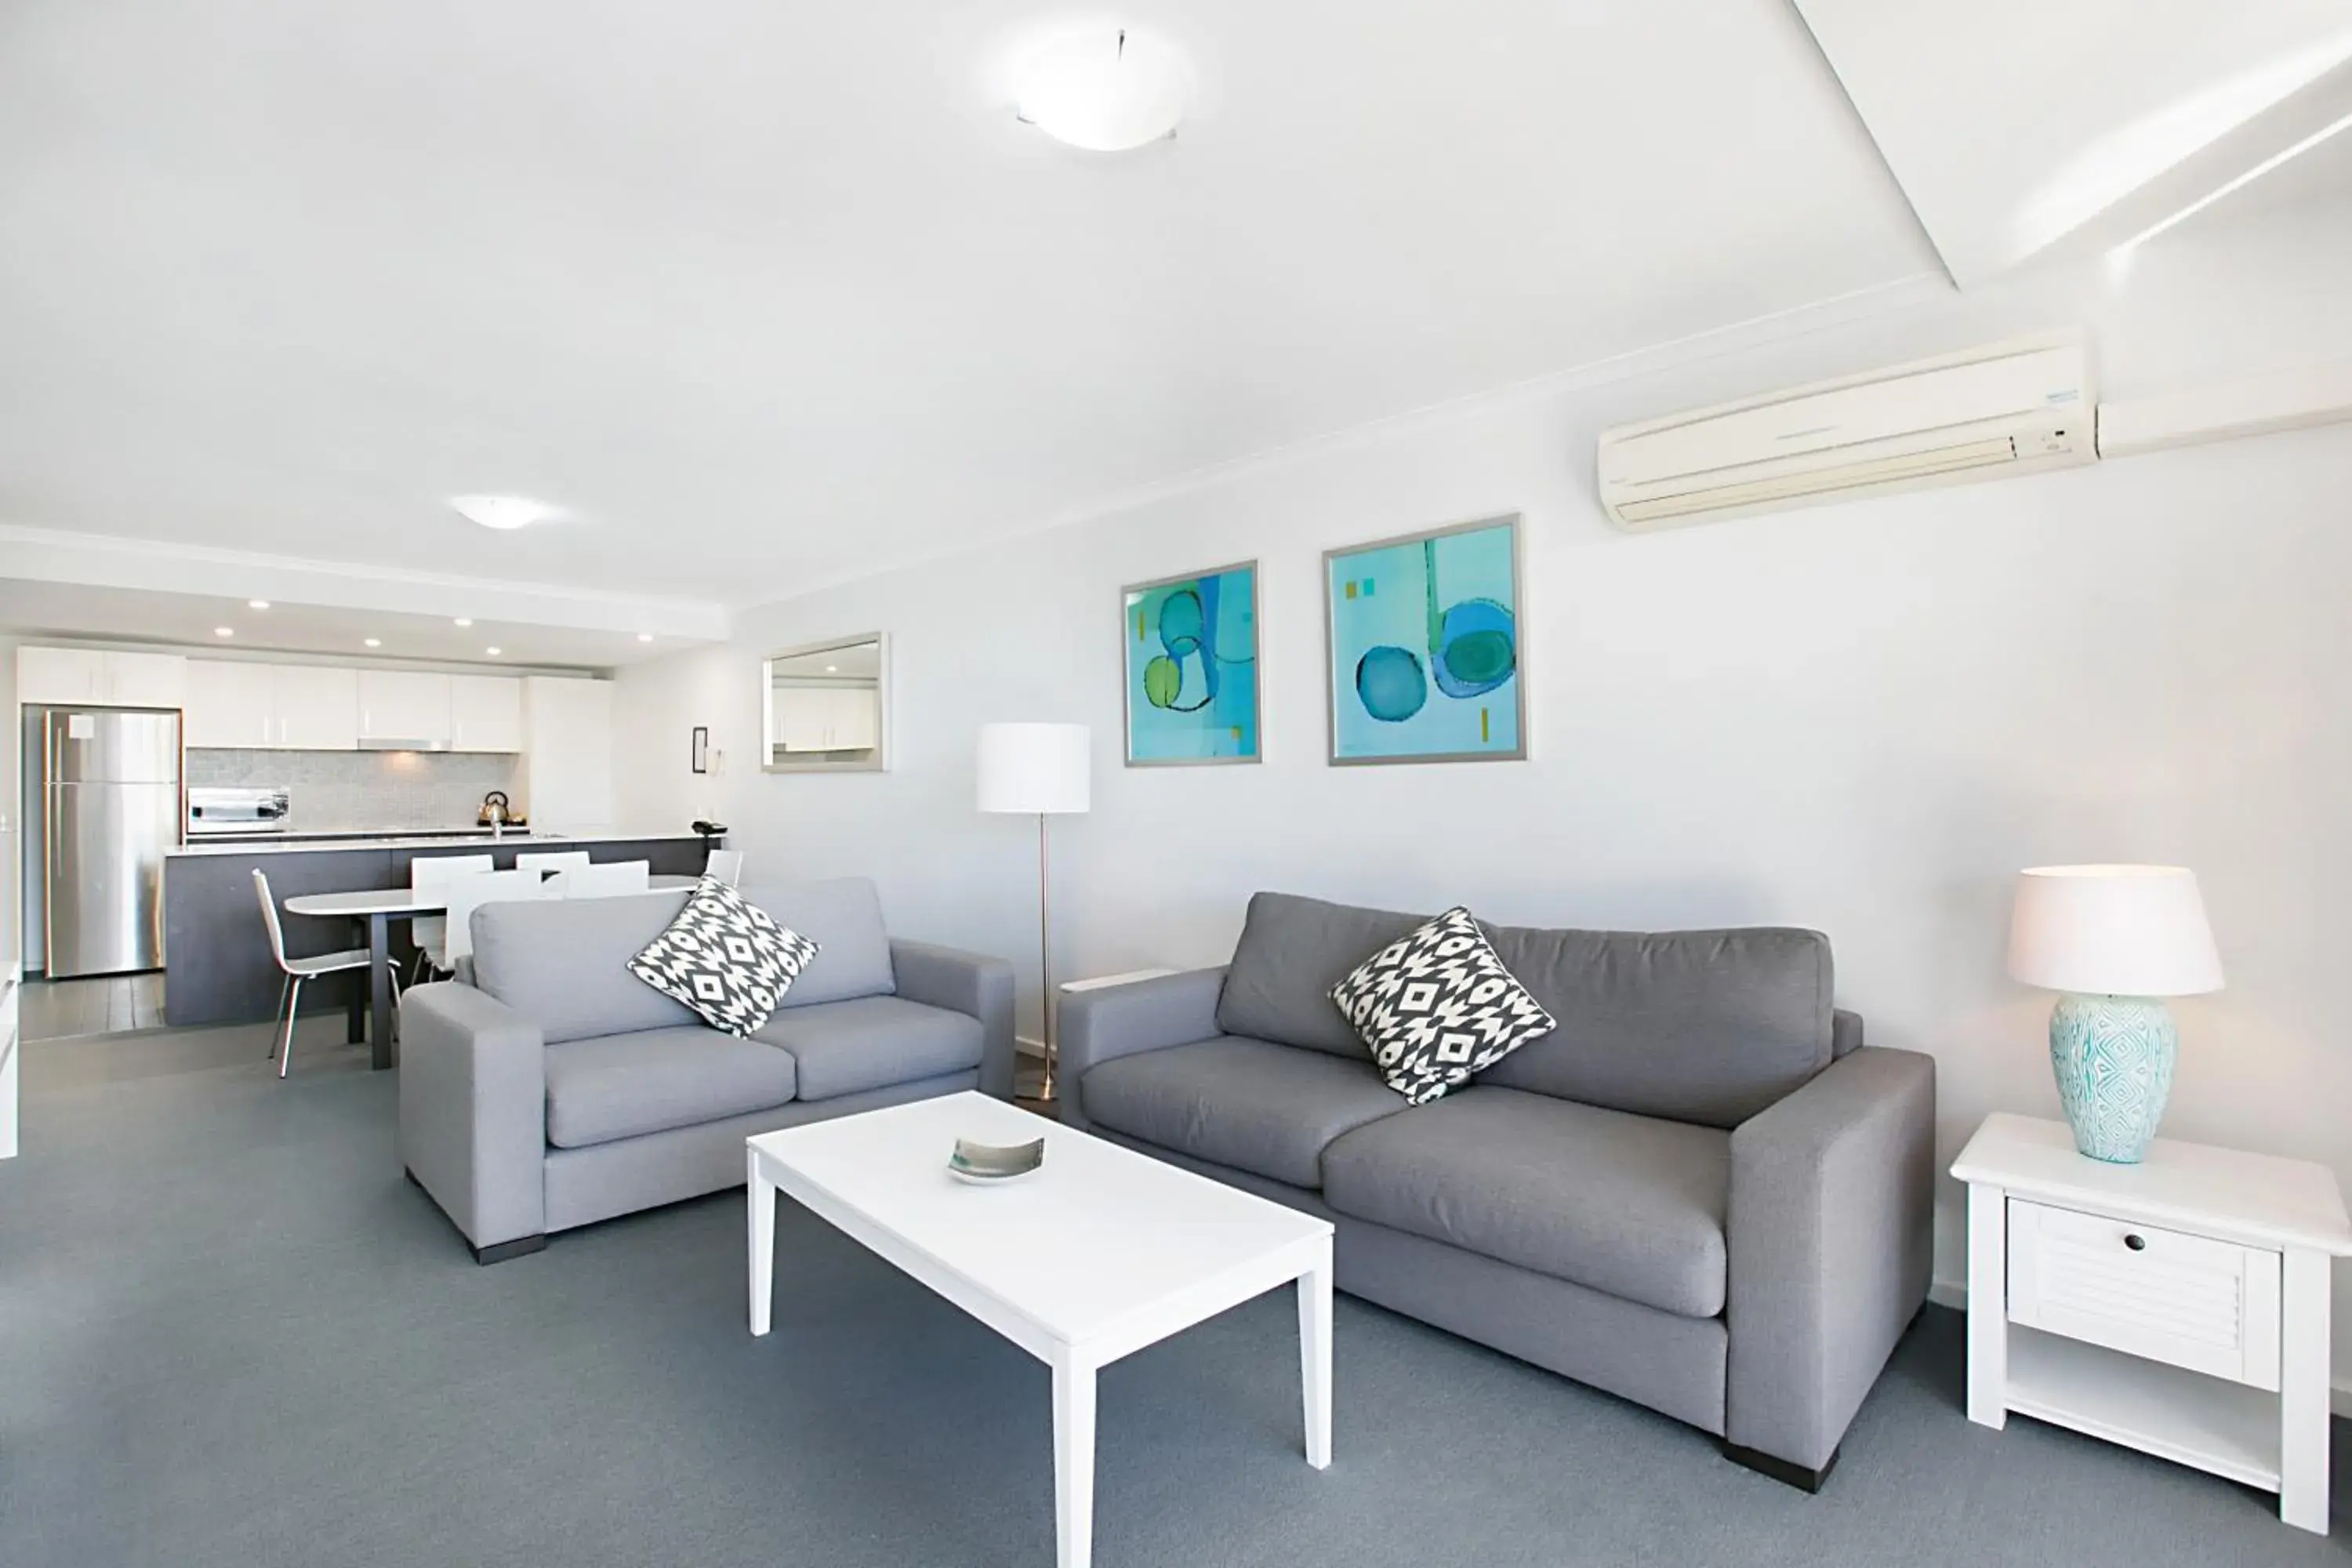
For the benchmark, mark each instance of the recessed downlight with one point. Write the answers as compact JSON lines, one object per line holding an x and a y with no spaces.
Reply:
{"x":491,"y":651}
{"x":832,"y":669}
{"x":256,"y":604}
{"x":224,"y":631}
{"x":375,"y":642}
{"x":644,"y":637}
{"x":464,"y":621}
{"x":504,"y":512}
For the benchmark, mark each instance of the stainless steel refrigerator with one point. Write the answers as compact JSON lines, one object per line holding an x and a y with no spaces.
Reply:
{"x":110,"y":807}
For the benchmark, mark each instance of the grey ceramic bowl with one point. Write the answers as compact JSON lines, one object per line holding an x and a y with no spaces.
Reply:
{"x":986,"y":1162}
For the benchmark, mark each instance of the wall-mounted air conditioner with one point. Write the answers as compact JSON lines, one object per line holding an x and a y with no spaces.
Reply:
{"x":2012,"y":408}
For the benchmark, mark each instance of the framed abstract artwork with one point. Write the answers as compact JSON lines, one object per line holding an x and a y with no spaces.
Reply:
{"x":1424,"y":640}
{"x":1192,"y":667}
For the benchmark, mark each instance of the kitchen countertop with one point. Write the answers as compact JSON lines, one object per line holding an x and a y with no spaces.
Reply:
{"x":297,"y":843}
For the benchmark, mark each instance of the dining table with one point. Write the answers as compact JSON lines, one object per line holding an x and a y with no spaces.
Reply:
{"x":375,"y":909}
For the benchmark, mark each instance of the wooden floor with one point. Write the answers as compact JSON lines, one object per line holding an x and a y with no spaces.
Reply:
{"x":107,"y":1005}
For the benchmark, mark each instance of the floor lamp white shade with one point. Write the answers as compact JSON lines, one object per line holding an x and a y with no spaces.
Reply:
{"x":1040,"y":769}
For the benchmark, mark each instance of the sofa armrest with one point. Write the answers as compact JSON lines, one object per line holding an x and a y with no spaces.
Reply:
{"x":1830,"y":1237}
{"x":1114,"y":1021}
{"x":970,"y":983}
{"x":473,"y":1110}
{"x":1845,"y":1032}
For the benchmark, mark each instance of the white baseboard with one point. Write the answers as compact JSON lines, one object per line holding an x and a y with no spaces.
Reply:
{"x":1954,"y":1293}
{"x":1022,"y":1046}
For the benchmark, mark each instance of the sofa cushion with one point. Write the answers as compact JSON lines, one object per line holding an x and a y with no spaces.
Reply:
{"x":1261,"y":1106}
{"x":1436,"y":1006}
{"x":843,"y":918}
{"x":726,"y":958}
{"x":620,"y":1086}
{"x":1292,"y":952}
{"x":1628,"y":1204}
{"x":1708,"y":1026}
{"x":872,"y":1042}
{"x":563,"y":963}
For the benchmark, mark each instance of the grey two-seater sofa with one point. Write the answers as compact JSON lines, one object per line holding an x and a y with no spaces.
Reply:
{"x":1700,"y":1192}
{"x":557,"y":1090}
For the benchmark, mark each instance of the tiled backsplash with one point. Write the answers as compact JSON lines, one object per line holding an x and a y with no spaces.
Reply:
{"x":336,"y":790}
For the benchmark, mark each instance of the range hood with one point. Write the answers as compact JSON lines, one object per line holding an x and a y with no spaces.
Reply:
{"x":397,"y":743}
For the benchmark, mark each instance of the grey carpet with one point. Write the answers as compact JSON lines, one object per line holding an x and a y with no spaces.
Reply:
{"x":232,"y":1337}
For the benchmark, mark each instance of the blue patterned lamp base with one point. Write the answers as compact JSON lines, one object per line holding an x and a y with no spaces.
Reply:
{"x":2112,"y":1055}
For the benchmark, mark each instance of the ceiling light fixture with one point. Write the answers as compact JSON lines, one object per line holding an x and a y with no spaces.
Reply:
{"x":504,"y":512}
{"x":256,"y":604}
{"x":832,"y":669}
{"x":1105,"y":89}
{"x":375,"y":642}
{"x":464,"y":621}
{"x":644,"y":637}
{"x":2324,"y":133}
{"x":224,"y":631}
{"x":491,"y":651}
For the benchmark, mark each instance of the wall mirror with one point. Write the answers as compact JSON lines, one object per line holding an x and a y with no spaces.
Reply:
{"x":827,"y":706}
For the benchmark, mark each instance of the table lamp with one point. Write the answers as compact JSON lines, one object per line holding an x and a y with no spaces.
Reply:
{"x":1042,"y":770}
{"x":2116,"y":940}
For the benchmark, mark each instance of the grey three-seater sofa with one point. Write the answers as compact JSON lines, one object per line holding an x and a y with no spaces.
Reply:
{"x":557,"y":1090}
{"x":1700,"y":1192}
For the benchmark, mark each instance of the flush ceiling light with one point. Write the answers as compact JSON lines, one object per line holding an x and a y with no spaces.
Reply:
{"x":644,"y":637}
{"x":256,"y":604}
{"x":491,"y":651}
{"x":224,"y":631}
{"x":464,"y":621}
{"x":1103,"y":87}
{"x":375,"y":642}
{"x":504,"y":512}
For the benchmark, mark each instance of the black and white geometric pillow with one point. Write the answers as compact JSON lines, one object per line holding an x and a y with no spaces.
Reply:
{"x":724,"y":957}
{"x":1437,"y":1005}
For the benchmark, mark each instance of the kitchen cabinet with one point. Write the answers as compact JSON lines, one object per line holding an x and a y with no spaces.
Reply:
{"x":314,"y":708}
{"x":827,"y":718}
{"x":404,"y":706}
{"x":228,"y":704}
{"x":568,"y":749}
{"x":100,"y":678}
{"x":485,"y":714}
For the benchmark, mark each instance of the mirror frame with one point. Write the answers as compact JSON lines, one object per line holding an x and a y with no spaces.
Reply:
{"x":880,"y":763}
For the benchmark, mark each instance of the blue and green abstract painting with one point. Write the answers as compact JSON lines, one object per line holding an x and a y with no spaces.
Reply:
{"x":1191,"y":668}
{"x":1425,"y":647}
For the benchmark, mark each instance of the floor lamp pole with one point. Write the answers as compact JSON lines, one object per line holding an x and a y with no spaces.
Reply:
{"x":1045,"y":954}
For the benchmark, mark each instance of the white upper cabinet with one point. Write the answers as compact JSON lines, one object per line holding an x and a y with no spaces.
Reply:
{"x":485,"y":714}
{"x":228,"y":705}
{"x":314,"y":708}
{"x":101,"y":678}
{"x":404,"y":705}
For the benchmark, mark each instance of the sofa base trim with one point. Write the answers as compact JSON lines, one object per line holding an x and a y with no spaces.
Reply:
{"x":520,"y":1246}
{"x":1788,"y":1472}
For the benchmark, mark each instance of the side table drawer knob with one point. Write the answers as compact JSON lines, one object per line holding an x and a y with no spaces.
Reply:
{"x":2136,"y":1243}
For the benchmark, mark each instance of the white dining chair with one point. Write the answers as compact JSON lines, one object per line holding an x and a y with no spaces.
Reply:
{"x":468,"y":894}
{"x":546,"y":860}
{"x":296,"y":971}
{"x":432,"y":874}
{"x":605,"y":880}
{"x":726,"y":864}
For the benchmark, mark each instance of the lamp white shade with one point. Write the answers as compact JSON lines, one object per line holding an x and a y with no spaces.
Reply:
{"x":1035,"y":768}
{"x":2113,"y":930}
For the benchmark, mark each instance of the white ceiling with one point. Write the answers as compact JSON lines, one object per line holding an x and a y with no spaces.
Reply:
{"x":773,"y":294}
{"x":35,"y":610}
{"x":2015,"y":125}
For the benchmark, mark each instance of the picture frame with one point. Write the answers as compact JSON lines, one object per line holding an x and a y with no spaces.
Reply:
{"x":702,"y":747}
{"x":1189,"y":668}
{"x":1413,"y":678}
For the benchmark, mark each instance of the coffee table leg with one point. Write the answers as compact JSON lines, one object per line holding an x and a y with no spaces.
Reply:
{"x":760,"y":1193}
{"x":1074,"y":1463}
{"x":1315,"y":1357}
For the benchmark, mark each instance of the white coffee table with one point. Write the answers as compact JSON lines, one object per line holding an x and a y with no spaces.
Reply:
{"x":1098,"y":1254}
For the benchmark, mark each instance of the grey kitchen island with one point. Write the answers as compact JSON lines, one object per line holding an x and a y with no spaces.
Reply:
{"x":217,"y":967}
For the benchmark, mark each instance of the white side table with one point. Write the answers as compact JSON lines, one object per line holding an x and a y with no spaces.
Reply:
{"x":2178,"y":1306}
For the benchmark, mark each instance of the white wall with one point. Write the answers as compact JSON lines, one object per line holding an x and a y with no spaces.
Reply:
{"x":1860,"y":718}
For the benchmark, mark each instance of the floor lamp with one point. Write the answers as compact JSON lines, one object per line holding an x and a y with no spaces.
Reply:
{"x":1040,"y":770}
